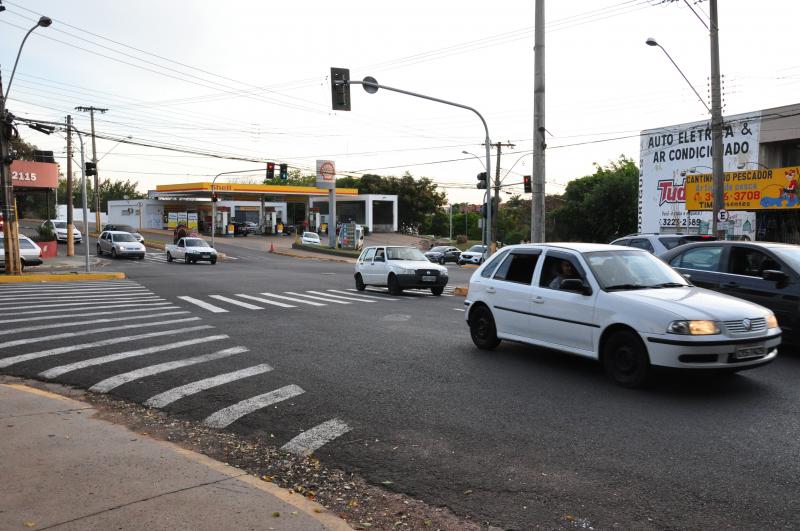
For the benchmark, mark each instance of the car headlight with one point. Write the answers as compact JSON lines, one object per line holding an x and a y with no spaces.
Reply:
{"x":443,"y":273}
{"x":406,"y":271}
{"x":693,"y":328}
{"x":772,"y":321}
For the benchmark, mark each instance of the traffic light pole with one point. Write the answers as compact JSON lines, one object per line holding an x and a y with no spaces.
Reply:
{"x":10,"y":228}
{"x":214,"y":203}
{"x":372,"y":86}
{"x":85,"y":203}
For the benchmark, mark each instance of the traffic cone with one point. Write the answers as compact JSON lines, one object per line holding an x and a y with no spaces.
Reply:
{"x":271,"y":247}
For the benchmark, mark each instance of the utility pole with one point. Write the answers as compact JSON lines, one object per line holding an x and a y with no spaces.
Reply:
{"x":91,"y":111}
{"x":496,"y":201}
{"x":718,"y":176}
{"x":538,"y":178}
{"x":10,"y":227}
{"x":70,"y":225}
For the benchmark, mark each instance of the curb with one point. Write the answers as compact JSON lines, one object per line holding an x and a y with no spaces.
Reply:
{"x":460,"y":290}
{"x":60,"y":277}
{"x":323,"y":258}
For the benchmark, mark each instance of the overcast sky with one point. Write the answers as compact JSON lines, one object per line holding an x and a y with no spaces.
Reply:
{"x":250,"y":79}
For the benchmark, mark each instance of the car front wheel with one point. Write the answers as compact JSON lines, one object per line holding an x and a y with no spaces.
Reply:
{"x":187,"y":259}
{"x":113,"y":253}
{"x":394,"y":286}
{"x":437,"y":290}
{"x":625,"y":360}
{"x":99,"y":250}
{"x":360,"y":286}
{"x":482,"y":329}
{"x":169,"y":257}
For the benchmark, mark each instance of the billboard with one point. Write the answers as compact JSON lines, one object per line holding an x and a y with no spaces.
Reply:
{"x":29,"y":174}
{"x":668,"y":155}
{"x":764,"y":189}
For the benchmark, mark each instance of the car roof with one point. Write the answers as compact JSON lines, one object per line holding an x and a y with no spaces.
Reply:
{"x":580,"y":247}
{"x":117,"y":231}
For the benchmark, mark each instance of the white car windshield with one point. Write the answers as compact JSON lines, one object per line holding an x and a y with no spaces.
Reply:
{"x":312,"y":235}
{"x":791,"y":255}
{"x":123,"y":238}
{"x":196,"y":242}
{"x":477,"y":249}
{"x":626,"y":270}
{"x":60,"y":224}
{"x":404,"y":253}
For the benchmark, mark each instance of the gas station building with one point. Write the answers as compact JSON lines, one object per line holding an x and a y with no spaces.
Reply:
{"x":266,"y":205}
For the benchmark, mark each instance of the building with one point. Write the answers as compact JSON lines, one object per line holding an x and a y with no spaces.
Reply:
{"x":755,"y":144}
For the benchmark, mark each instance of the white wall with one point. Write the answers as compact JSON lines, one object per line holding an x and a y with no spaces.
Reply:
{"x":138,"y":213}
{"x":77,"y":214}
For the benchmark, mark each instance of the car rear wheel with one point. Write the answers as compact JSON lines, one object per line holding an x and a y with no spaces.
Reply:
{"x":360,"y":286}
{"x":625,"y":360}
{"x":394,"y":286}
{"x":437,"y":290}
{"x":169,"y":257}
{"x":441,"y":261}
{"x":482,"y":329}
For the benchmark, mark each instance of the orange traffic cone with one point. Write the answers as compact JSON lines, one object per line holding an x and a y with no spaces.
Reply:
{"x":271,"y":247}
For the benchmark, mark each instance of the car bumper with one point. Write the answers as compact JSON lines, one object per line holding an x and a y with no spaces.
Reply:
{"x":415,"y":281}
{"x":201,"y":258}
{"x":31,"y":261}
{"x":127,"y":252}
{"x":469,"y":260}
{"x":63,"y":238}
{"x":685,"y":353}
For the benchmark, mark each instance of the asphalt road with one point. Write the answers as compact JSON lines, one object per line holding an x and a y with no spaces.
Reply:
{"x":520,"y":438}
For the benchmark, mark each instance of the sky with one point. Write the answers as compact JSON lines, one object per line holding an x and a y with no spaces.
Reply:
{"x":249,"y":80}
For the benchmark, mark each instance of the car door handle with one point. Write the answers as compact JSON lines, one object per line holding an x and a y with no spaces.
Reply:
{"x":490,"y":290}
{"x":538,"y":300}
{"x":731,"y":285}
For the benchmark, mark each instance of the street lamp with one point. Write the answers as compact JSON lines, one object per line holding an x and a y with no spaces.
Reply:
{"x":214,"y":203}
{"x":652,"y":42}
{"x":10,"y":225}
{"x":476,"y":156}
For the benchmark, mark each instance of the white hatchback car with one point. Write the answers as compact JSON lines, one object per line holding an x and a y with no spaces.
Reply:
{"x":623,"y":307}
{"x":398,"y":268}
{"x":310,"y":238}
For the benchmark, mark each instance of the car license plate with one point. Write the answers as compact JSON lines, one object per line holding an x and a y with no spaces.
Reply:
{"x":428,"y":279}
{"x":206,"y":255}
{"x":749,"y":352}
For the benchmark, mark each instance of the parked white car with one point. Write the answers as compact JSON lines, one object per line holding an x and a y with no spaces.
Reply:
{"x":473,"y":255}
{"x":310,"y":237}
{"x":623,"y":307}
{"x":59,"y":227}
{"x":30,"y":254}
{"x":191,"y":250}
{"x":398,"y":268}
{"x":117,"y":244}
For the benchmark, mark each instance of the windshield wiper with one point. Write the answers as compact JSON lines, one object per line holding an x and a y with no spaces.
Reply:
{"x":669,"y":285}
{"x":626,"y":287}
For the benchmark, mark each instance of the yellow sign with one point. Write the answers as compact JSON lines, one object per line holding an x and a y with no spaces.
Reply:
{"x":767,"y":189}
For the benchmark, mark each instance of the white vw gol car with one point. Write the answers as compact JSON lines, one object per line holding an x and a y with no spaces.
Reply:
{"x":621,"y":306}
{"x":398,"y":268}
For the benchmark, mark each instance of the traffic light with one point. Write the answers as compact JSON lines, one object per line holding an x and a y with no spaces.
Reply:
{"x":214,"y":197}
{"x":284,"y":172}
{"x":482,"y":180}
{"x":270,"y":171}
{"x":340,"y":89}
{"x":526,"y":183}
{"x":91,"y":169}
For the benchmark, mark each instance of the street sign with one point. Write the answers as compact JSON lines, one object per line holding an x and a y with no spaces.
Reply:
{"x":722,"y":215}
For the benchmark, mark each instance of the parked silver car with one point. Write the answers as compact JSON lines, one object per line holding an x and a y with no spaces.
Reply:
{"x":118,"y":243}
{"x":30,"y":254}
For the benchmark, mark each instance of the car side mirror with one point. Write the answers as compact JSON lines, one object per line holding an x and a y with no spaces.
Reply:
{"x":576,"y":285}
{"x":687,"y":276}
{"x":774,"y":274}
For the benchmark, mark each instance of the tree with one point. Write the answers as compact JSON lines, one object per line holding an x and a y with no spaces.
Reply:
{"x":109,"y":191}
{"x":21,"y":149}
{"x":601,"y":206}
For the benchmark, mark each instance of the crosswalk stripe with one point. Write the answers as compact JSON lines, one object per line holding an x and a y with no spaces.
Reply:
{"x":115,"y":381}
{"x":204,"y":305}
{"x":70,"y":315}
{"x":227,"y":416}
{"x":311,"y":440}
{"x":55,"y":372}
{"x":167,"y":397}
{"x":364,"y":296}
{"x":9,"y":331}
{"x":65,"y":285}
{"x":50,"y":291}
{"x":265,"y":301}
{"x":7,"y":362}
{"x":83,"y":302}
{"x":44,"y":296}
{"x":315,"y":298}
{"x":338,"y":296}
{"x":148,"y":305}
{"x":302,"y":301}
{"x":236,"y":303}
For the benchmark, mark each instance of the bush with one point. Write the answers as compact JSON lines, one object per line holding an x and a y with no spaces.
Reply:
{"x":461,"y":238}
{"x":44,"y":234}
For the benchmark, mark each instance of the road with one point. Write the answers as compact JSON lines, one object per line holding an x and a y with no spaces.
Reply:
{"x":392,"y":388}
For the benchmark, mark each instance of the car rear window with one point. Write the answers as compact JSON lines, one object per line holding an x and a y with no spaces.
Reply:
{"x":25,"y":244}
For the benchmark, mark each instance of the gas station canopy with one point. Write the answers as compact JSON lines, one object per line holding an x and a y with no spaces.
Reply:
{"x":204,"y":190}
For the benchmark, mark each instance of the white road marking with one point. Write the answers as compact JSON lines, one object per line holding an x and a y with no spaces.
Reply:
{"x":154,"y":305}
{"x":338,"y":296}
{"x":82,"y":303}
{"x":315,"y":298}
{"x":63,"y":291}
{"x":55,"y":372}
{"x":204,"y":305}
{"x":167,"y":397}
{"x":70,"y":315}
{"x":364,"y":296}
{"x":303,"y":301}
{"x":236,"y":303}
{"x":6,"y":362}
{"x":73,"y":297}
{"x":115,"y":381}
{"x":311,"y":440}
{"x":265,"y":301}
{"x":65,"y":335}
{"x":227,"y":416}
{"x":9,"y":331}
{"x":65,"y":285}
{"x":459,"y":309}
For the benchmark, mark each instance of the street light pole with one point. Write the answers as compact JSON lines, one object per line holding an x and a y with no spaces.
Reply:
{"x":85,"y":202}
{"x":716,"y":123}
{"x":214,"y":203}
{"x":484,"y":234}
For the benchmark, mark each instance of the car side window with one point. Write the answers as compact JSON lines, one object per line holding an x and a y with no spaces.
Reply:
{"x":558,"y":267}
{"x":642,"y":243}
{"x":368,"y":254}
{"x":517,"y":267}
{"x":491,"y":267}
{"x":181,"y":243}
{"x":622,"y":241}
{"x":750,"y":262}
{"x":380,"y":255}
{"x":671,"y":243}
{"x":704,"y":258}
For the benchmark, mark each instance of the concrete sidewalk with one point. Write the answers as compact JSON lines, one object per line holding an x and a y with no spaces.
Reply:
{"x":63,"y":468}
